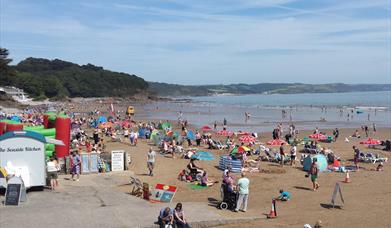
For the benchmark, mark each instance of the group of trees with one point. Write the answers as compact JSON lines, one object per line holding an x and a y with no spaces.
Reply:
{"x":58,"y":79}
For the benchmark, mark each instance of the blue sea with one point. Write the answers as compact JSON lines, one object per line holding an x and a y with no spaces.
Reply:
{"x":306,"y":111}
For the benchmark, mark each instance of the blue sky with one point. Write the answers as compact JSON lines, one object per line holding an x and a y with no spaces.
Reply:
{"x":209,"y":42}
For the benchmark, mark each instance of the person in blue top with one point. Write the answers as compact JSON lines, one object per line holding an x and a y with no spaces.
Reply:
{"x":284,"y":195}
{"x":166,"y":217}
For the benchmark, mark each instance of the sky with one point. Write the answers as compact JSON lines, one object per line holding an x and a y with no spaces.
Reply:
{"x":206,"y":41}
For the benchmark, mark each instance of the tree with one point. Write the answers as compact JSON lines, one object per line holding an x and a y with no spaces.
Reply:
{"x":6,"y":72}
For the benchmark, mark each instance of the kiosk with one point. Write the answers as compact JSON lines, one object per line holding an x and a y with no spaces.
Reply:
{"x":22,"y":153}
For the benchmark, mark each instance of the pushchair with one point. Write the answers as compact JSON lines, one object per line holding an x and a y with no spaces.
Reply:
{"x":229,"y":199}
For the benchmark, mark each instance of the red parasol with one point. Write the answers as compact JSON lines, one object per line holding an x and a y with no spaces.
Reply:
{"x":371,"y":141}
{"x":276,"y":142}
{"x":225,"y":133}
{"x":243,"y":133}
{"x":206,"y":128}
{"x":318,"y":136}
{"x":247,"y":138}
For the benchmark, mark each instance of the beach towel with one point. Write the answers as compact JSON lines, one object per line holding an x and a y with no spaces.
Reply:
{"x":196,"y":186}
{"x":203,"y":156}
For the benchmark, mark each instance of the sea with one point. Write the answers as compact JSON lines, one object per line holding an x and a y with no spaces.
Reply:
{"x":306,"y":111}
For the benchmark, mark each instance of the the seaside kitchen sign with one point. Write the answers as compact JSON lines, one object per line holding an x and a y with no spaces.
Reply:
{"x":23,"y":153}
{"x":117,"y":160}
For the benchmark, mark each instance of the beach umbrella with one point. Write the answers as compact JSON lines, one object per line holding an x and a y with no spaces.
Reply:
{"x":247,"y":138}
{"x":321,"y":162}
{"x":206,"y":128}
{"x":234,"y":150}
{"x":225,"y":133}
{"x":105,"y":125}
{"x":166,"y":125}
{"x":276,"y":142}
{"x":371,"y":141}
{"x":318,"y":136}
{"x":241,"y":133}
{"x":243,"y":149}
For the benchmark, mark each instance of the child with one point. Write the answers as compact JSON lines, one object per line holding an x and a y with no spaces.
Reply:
{"x":284,"y":195}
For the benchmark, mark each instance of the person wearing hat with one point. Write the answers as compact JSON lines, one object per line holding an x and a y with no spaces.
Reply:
{"x":313,"y":173}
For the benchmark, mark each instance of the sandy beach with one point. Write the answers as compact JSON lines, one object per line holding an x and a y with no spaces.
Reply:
{"x":366,"y":197}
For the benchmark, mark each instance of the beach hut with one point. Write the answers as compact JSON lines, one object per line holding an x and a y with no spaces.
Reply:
{"x":321,"y":162}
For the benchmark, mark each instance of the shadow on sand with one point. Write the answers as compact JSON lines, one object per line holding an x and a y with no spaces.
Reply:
{"x":330,"y":206}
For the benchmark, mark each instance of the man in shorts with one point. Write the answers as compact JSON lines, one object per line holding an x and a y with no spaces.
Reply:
{"x":151,"y":158}
{"x":313,"y":173}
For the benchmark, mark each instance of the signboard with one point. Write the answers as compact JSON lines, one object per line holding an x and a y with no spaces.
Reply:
{"x":16,"y":192}
{"x":85,"y":163}
{"x":12,"y":195}
{"x":163,"y":193}
{"x":117,"y":160}
{"x":94,"y":163}
{"x":337,"y":189}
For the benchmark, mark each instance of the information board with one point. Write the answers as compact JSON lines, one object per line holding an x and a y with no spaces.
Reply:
{"x":117,"y":160}
{"x":94,"y":163}
{"x":85,"y":163}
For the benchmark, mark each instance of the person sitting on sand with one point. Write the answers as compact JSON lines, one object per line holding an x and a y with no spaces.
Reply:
{"x":179,"y":217}
{"x":356,"y":134}
{"x":205,"y":181}
{"x":284,"y":195}
{"x":380,"y":167}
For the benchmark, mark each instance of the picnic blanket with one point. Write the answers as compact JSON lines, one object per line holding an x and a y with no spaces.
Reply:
{"x":196,"y":186}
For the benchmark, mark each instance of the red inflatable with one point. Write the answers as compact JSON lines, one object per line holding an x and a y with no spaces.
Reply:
{"x":2,"y":127}
{"x":14,"y":127}
{"x":46,"y":121}
{"x":63,"y":131}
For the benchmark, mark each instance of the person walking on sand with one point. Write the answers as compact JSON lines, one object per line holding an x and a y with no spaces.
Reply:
{"x":243,"y":184}
{"x":75,"y":166}
{"x":336,"y":134}
{"x":151,"y":158}
{"x":313,"y":173}
{"x":293,"y":154}
{"x":52,"y":169}
{"x":356,"y":156}
{"x":282,"y":154}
